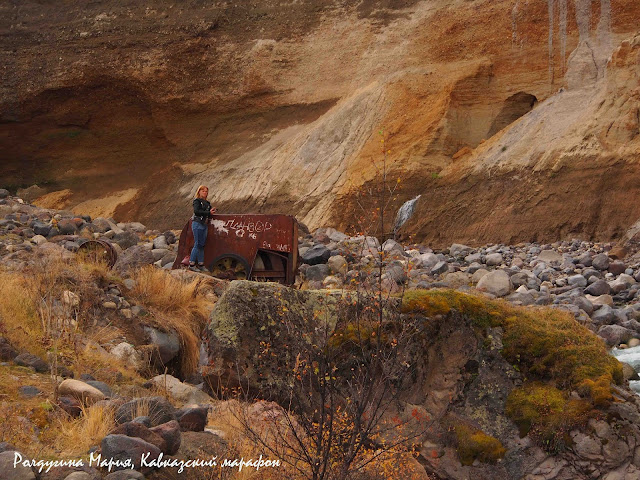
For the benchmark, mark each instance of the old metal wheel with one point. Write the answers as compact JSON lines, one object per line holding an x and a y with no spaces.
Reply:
{"x":268,"y":267}
{"x":229,"y":267}
{"x":98,"y":251}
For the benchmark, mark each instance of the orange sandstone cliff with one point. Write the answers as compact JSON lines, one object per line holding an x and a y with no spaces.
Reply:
{"x":515,"y":120}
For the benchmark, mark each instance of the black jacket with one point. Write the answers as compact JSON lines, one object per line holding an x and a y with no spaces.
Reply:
{"x":201,"y":210}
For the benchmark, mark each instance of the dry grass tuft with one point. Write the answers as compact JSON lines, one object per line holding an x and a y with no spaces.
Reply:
{"x":75,"y":436}
{"x":174,"y":304}
{"x":161,"y":291}
{"x":24,"y":418}
{"x":19,"y":320}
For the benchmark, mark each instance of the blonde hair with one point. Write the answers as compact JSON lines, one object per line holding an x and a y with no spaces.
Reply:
{"x":198,"y":190}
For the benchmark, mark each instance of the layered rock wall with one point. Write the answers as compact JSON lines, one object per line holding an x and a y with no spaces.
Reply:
{"x":278,"y":107}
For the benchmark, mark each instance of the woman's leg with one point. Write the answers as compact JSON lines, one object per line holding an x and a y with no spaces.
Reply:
{"x":205,"y":230}
{"x":199,"y":237}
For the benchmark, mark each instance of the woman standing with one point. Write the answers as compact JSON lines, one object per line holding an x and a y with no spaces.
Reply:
{"x":202,"y":211}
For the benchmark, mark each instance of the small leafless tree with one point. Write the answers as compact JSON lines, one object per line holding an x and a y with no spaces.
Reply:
{"x":345,"y":407}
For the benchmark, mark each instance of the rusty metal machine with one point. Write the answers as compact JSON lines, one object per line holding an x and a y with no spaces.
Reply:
{"x":247,"y":246}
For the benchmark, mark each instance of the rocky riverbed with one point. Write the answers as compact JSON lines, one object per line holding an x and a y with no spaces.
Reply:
{"x":595,"y":282}
{"x":586,"y":278}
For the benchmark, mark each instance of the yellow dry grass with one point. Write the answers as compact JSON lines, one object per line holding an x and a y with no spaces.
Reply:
{"x":24,"y":417}
{"x":75,"y":436}
{"x":35,"y":318}
{"x":19,"y":320}
{"x":174,"y":304}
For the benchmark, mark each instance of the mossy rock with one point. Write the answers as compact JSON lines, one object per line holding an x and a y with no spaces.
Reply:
{"x":548,"y":344}
{"x":259,"y":332}
{"x":568,"y":370}
{"x":254,"y":330}
{"x":547,"y":414}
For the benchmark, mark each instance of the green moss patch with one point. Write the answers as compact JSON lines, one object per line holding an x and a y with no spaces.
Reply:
{"x":547,"y":414}
{"x":481,"y":311}
{"x":556,"y":355}
{"x":474,"y":444}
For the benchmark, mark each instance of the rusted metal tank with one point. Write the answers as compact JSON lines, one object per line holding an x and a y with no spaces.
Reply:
{"x":247,"y":246}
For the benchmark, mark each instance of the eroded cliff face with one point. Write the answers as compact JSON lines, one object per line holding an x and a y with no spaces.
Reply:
{"x":121,"y":109}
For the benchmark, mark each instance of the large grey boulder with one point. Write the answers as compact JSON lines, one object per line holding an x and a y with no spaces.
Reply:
{"x":160,"y":242}
{"x":134,"y":257}
{"x":338,"y":264}
{"x":439,"y":268}
{"x":428,"y":260}
{"x":597,"y":288}
{"x":170,"y":432}
{"x":317,"y":272}
{"x":496,"y":283}
{"x":166,"y":343}
{"x":7,"y":351}
{"x":192,"y":418}
{"x":601,"y":261}
{"x":391,"y":247}
{"x":577,"y":280}
{"x":550,"y":256}
{"x":478,"y":274}
{"x":159,"y":410}
{"x":617,"y":267}
{"x":493,"y":259}
{"x":250,"y":315}
{"x":459,"y":249}
{"x":126,"y":239}
{"x":615,"y":334}
{"x":457,"y":279}
{"x":127,"y":451}
{"x":181,"y":392}
{"x":40,"y":228}
{"x":19,"y":472}
{"x":80,"y":391}
{"x":139,"y":430}
{"x":103,"y":225}
{"x":584,"y":304}
{"x":604,"y":315}
{"x":33,"y":361}
{"x":316,"y":255}
{"x":473,"y":257}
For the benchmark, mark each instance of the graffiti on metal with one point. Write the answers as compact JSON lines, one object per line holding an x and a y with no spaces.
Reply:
{"x":240,"y":226}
